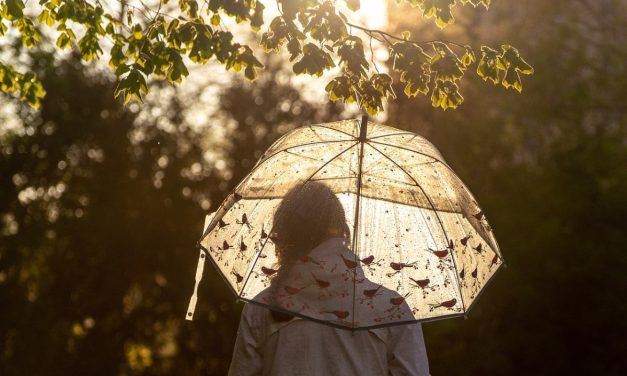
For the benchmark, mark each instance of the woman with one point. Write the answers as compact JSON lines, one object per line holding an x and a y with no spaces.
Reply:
{"x":310,"y":234}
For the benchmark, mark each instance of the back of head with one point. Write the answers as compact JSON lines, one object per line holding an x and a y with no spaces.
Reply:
{"x":309,"y":214}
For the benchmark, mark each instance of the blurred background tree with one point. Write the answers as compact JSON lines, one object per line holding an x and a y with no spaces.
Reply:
{"x":550,"y":169}
{"x":101,"y":206}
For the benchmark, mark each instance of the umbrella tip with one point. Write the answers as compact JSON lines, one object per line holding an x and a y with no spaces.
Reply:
{"x":363,"y":129}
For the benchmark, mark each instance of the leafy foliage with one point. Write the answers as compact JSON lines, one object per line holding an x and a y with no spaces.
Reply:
{"x":318,"y":35}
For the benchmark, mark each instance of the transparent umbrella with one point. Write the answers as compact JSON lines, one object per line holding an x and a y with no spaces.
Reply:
{"x":394,"y":234}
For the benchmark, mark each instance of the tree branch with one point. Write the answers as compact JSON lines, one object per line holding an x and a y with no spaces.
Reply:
{"x":386,"y":34}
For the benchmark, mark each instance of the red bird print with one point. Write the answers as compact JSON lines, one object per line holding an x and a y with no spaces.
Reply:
{"x":339,"y":314}
{"x":321,"y":282}
{"x":421,"y":282}
{"x":238,"y":277}
{"x":263,"y":234}
{"x":495,"y":259}
{"x":292,"y":290}
{"x":474,"y":273}
{"x":450,"y":244}
{"x":441,"y":253}
{"x":397,"y":301}
{"x":478,"y":248}
{"x":368,"y":260}
{"x":268,"y":271}
{"x":225,"y":245}
{"x":244,"y":221}
{"x":462,"y":274}
{"x":305,"y":258}
{"x":349,"y":263}
{"x":222,"y":224}
{"x":465,"y":239}
{"x":448,"y":304}
{"x":372,"y":292}
{"x":242,"y":246}
{"x":400,"y":265}
{"x":479,"y":215}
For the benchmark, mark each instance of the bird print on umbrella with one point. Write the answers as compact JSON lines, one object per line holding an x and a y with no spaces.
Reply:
{"x":419,"y":242}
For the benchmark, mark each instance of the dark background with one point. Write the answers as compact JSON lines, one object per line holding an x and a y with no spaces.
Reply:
{"x":100,"y":207}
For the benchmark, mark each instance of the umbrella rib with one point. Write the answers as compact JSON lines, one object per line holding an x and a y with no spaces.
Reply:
{"x":436,"y":215}
{"x":333,"y":129}
{"x":407,"y":149}
{"x":391,"y":134}
{"x":272,"y":228}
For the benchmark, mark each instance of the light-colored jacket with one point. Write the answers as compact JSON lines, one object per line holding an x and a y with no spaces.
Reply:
{"x":301,"y":347}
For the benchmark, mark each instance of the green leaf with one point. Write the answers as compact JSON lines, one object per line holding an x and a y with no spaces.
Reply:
{"x":89,"y":45}
{"x":352,"y":56}
{"x":132,"y":86}
{"x":340,"y":88}
{"x":446,"y":64}
{"x":512,"y":57}
{"x":215,"y":19}
{"x":256,"y":19}
{"x":512,"y":79}
{"x":137,"y":31}
{"x":325,"y":24}
{"x":383,"y":84}
{"x":121,"y":69}
{"x":489,"y":65}
{"x":513,"y":65}
{"x":371,"y":98}
{"x":63,"y":41}
{"x":440,"y":10}
{"x":446,"y":95}
{"x":15,"y":8}
{"x":45,"y":18}
{"x":469,"y":56}
{"x":314,"y":61}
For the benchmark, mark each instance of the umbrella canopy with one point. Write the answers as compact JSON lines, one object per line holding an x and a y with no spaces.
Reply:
{"x":356,"y":225}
